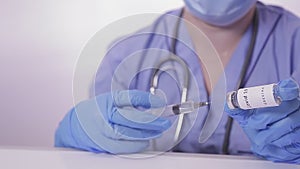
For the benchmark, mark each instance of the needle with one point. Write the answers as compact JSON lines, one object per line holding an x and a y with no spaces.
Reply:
{"x":200,"y":104}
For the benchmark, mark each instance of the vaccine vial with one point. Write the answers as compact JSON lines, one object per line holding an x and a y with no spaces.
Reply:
{"x":254,"y":97}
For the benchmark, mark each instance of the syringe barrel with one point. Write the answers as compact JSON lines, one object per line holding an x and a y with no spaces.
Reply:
{"x":166,"y":111}
{"x":172,"y":110}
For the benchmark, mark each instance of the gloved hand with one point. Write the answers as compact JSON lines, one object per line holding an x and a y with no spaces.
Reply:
{"x":274,"y":132}
{"x":110,"y":123}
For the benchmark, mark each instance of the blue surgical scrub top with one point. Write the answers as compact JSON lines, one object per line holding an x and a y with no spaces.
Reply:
{"x":130,"y":60}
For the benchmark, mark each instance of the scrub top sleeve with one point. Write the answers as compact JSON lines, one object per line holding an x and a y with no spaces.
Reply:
{"x":116,"y":53}
{"x":104,"y":74}
{"x":125,"y":47}
{"x":296,"y":55}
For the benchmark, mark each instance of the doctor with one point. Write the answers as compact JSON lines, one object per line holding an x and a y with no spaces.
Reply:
{"x":270,"y":133}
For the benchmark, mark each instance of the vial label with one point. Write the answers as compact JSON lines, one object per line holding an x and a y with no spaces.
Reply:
{"x":256,"y":97}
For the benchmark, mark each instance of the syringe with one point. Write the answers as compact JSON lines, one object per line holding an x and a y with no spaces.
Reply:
{"x":177,"y":109}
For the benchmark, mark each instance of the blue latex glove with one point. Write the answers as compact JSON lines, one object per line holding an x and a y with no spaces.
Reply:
{"x":110,"y":123}
{"x":274,"y":132}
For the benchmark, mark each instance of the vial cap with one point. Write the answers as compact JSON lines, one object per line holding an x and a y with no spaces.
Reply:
{"x":230,"y":100}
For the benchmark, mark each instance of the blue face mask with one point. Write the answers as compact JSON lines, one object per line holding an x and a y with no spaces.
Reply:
{"x":219,"y":12}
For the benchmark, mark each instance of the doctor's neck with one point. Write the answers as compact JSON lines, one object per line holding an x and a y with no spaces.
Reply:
{"x":224,"y":39}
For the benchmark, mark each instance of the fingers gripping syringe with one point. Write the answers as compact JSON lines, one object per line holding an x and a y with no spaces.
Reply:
{"x":176,"y":109}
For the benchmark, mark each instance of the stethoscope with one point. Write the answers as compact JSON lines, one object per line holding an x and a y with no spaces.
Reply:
{"x":184,"y":91}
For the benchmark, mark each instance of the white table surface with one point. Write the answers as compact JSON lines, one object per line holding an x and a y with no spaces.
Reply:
{"x":34,"y":158}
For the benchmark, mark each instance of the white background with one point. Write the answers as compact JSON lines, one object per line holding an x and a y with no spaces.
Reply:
{"x":39,"y":44}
